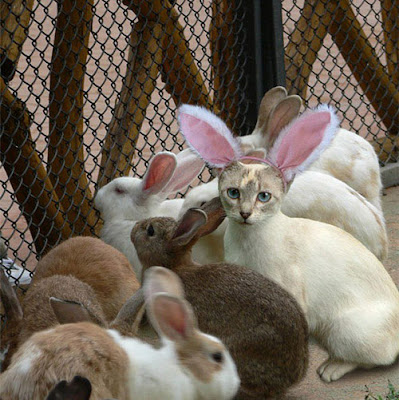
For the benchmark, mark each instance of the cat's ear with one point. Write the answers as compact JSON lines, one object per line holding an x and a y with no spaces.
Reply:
{"x":208,"y":136}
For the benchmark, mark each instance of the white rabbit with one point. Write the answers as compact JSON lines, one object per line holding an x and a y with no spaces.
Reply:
{"x":349,"y":158}
{"x":126,"y":200}
{"x":312,"y":195}
{"x":350,"y":301}
{"x":190,"y":364}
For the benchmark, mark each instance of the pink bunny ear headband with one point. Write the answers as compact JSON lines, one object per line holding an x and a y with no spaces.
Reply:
{"x":296,"y":147}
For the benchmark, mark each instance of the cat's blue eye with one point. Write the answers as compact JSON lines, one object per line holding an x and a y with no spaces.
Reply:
{"x":264,"y":197}
{"x":233,"y":193}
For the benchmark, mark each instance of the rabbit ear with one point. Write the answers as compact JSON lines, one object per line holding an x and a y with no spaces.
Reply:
{"x":9,"y":299}
{"x":130,"y":315}
{"x":189,"y":166}
{"x":215,"y":216}
{"x":281,"y":116}
{"x":67,"y":311}
{"x":302,"y":142}
{"x":208,"y":136}
{"x":269,"y":101}
{"x":159,"y":173}
{"x":189,"y":225}
{"x":162,"y":280}
{"x":78,"y":389}
{"x":171,"y":317}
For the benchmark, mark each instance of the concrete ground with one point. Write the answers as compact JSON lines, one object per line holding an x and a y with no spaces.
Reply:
{"x":353,"y":385}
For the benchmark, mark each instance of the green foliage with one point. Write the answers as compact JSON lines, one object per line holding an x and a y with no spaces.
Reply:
{"x":392,"y":394}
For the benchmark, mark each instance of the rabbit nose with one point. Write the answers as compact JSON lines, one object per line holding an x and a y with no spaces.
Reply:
{"x":245,"y":215}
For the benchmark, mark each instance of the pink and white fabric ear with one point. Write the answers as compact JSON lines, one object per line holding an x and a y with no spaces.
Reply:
{"x":296,"y":147}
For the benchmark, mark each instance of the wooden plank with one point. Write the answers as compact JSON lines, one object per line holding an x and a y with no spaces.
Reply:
{"x":224,"y":58}
{"x":304,"y":43}
{"x":156,"y":46}
{"x":145,"y":56}
{"x":28,"y":177}
{"x":182,"y":78}
{"x":65,"y":153}
{"x":360,"y":56}
{"x":179,"y":71}
{"x":15,"y":17}
{"x":390,"y":24}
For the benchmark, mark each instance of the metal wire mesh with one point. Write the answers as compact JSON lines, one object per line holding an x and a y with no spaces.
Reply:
{"x":347,"y":53}
{"x":89,"y":93}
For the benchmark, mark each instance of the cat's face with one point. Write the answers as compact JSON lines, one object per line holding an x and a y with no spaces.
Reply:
{"x":250,"y":192}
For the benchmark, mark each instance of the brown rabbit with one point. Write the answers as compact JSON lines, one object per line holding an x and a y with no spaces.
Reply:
{"x":58,"y":300}
{"x":95,"y":285}
{"x":36,"y":314}
{"x":189,"y":365}
{"x":260,"y":323}
{"x":96,"y":263}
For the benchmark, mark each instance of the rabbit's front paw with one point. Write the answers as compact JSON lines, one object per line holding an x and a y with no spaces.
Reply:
{"x":332,"y":370}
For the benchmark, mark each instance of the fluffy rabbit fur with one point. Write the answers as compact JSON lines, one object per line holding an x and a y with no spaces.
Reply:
{"x":190,"y":364}
{"x":260,"y":323}
{"x":126,"y":200}
{"x":35,"y":314}
{"x":330,"y":273}
{"x":99,"y":281}
{"x":96,"y":263}
{"x":312,"y":195}
{"x":349,"y":158}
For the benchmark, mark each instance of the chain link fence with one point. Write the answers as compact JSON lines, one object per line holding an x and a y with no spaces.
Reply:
{"x":347,"y":53}
{"x":89,"y":91}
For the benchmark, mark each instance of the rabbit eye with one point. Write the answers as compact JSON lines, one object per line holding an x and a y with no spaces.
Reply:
{"x":233,"y":193}
{"x":202,"y":203}
{"x":264,"y":197}
{"x":119,"y":190}
{"x":218,"y":357}
{"x":150,"y":230}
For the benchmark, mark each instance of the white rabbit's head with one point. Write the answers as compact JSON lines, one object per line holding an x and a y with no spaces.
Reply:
{"x":129,"y":198}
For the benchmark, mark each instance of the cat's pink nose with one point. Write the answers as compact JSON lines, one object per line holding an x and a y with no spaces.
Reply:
{"x":245,"y":215}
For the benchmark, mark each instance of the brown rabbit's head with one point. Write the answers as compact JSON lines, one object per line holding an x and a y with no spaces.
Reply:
{"x":164,"y":241}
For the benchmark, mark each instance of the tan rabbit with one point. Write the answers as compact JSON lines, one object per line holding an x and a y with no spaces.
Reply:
{"x":261,"y":324}
{"x":350,"y":301}
{"x":189,"y":365}
{"x":53,"y":300}
{"x":81,"y":270}
{"x":35,"y":313}
{"x":96,"y":263}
